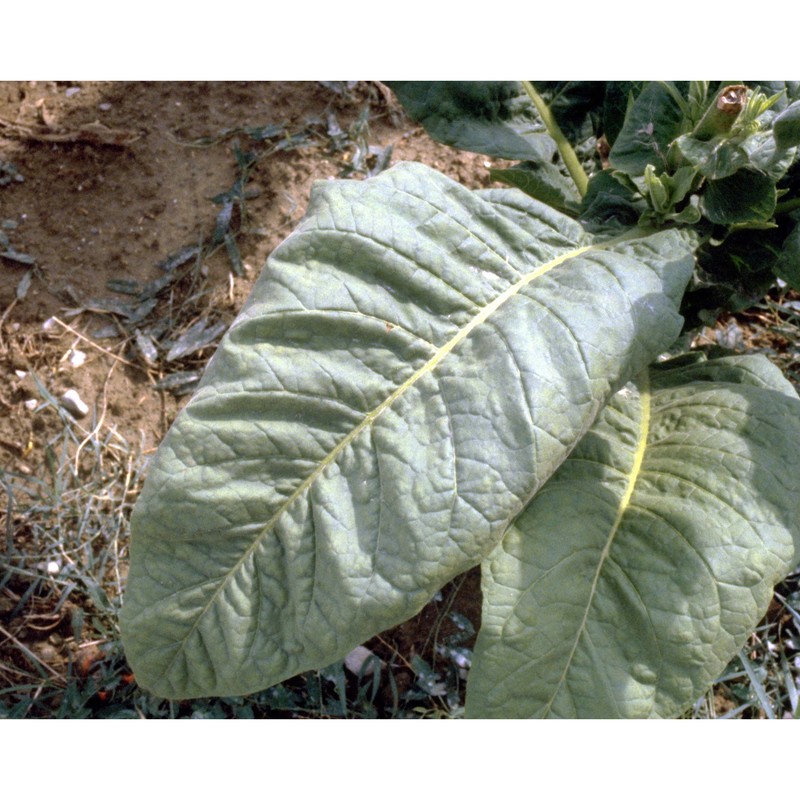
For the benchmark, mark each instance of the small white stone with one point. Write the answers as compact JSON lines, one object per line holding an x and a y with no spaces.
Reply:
{"x":53,"y":568}
{"x":76,"y":358}
{"x":31,"y":404}
{"x":71,"y":400}
{"x":356,"y":658}
{"x":49,"y":325}
{"x":461,"y":660}
{"x":20,"y":373}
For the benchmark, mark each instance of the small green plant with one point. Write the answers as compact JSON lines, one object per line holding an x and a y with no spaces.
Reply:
{"x":427,"y":378}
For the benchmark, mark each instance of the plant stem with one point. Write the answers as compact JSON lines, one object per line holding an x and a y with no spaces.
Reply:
{"x":787,"y":206}
{"x":564,"y":147}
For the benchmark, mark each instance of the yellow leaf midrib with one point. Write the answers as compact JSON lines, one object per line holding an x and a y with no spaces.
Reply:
{"x":643,"y":385}
{"x":370,"y":417}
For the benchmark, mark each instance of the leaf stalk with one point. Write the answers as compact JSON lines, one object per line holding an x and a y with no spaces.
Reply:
{"x":568,"y":155}
{"x":788,"y":205}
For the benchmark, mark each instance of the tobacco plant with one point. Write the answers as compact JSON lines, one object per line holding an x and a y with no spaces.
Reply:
{"x":426,"y":378}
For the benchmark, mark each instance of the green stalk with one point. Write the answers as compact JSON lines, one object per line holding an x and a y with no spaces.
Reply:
{"x":571,"y":162}
{"x":788,"y":205}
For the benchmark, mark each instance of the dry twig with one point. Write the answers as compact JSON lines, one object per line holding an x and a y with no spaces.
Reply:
{"x":91,"y":133}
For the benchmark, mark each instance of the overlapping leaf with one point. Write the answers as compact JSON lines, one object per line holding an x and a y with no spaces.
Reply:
{"x":652,"y":122}
{"x":746,"y":196}
{"x":413,"y":364}
{"x":636,"y":574}
{"x":492,"y":117}
{"x":542,"y":181}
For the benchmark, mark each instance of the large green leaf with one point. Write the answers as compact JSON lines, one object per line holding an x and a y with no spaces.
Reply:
{"x":639,"y":570}
{"x":413,"y":364}
{"x":619,"y":96}
{"x":746,"y":196}
{"x":737,"y":272}
{"x":492,"y":117}
{"x":652,"y":122}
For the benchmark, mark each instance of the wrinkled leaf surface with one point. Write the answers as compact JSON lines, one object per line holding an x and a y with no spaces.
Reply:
{"x":413,"y":364}
{"x":639,"y":570}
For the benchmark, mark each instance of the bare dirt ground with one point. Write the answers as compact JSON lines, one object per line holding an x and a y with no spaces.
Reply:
{"x":117,"y":178}
{"x":133,"y":215}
